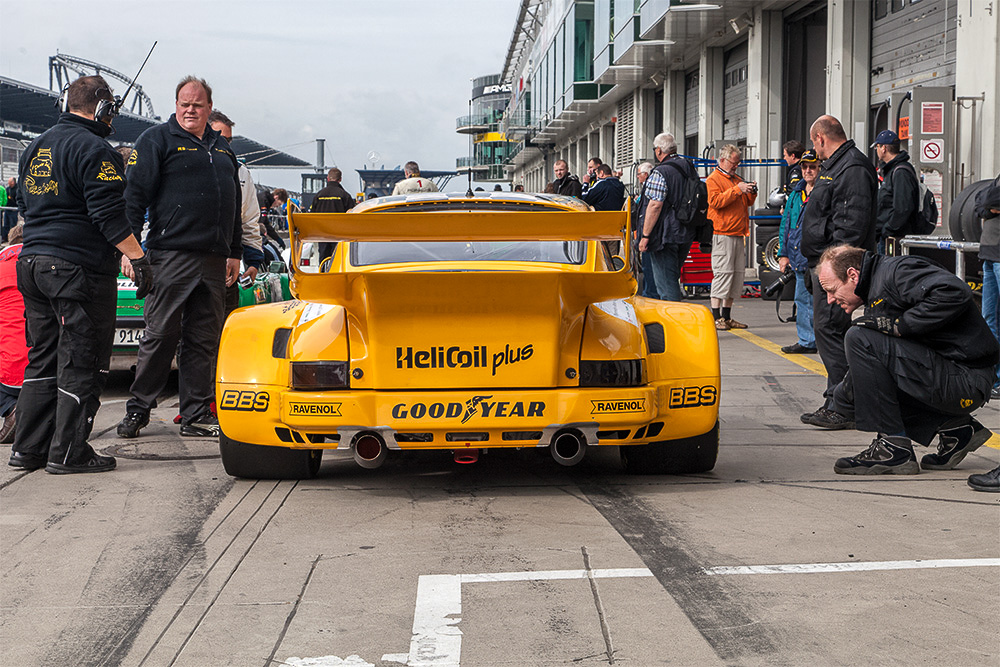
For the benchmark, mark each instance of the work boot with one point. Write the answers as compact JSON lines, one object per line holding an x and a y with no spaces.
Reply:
{"x":830,"y":420}
{"x":95,"y":463}
{"x":807,"y":417}
{"x":206,"y":426}
{"x":954,"y":444}
{"x":989,"y":481}
{"x":8,"y":427}
{"x":26,"y":461}
{"x":130,"y":425}
{"x":887,"y":455}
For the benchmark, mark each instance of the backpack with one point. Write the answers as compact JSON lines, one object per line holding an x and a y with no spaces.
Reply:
{"x":925,"y":219}
{"x":691,"y":204}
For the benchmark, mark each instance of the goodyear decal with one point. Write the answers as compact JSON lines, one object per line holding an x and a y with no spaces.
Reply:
{"x":618,"y":406}
{"x":693,"y":397}
{"x":244,"y":401}
{"x":314,"y":409}
{"x":108,"y":172}
{"x":477,"y":405}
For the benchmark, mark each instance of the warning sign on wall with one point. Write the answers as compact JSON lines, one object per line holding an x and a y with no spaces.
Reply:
{"x":932,"y":150}
{"x":932,"y":117}
{"x":935,"y":183}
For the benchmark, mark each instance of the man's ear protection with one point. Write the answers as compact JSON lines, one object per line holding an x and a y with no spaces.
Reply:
{"x":63,"y":101}
{"x":106,"y":110}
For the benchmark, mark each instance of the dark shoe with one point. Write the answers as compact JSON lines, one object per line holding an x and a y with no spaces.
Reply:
{"x":733,"y":324}
{"x":8,"y":426}
{"x":884,"y":456}
{"x":988,"y":481}
{"x":96,"y":463}
{"x":994,"y":393}
{"x":830,"y":420}
{"x":954,"y":444}
{"x":798,"y":349}
{"x":26,"y":461}
{"x":130,"y":426}
{"x":202,"y":427}
{"x":807,"y":417}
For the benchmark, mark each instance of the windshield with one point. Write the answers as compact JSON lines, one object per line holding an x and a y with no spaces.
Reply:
{"x":366,"y":253}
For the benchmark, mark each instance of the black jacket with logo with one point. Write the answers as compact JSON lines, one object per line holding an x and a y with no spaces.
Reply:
{"x":842,"y":204}
{"x":568,"y":185}
{"x":930,"y":305}
{"x":191,"y":189}
{"x":898,"y":197}
{"x":70,"y":192}
{"x":332,"y":199}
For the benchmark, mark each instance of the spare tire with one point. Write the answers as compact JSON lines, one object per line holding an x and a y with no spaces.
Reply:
{"x":963,"y":223}
{"x":769,"y":211}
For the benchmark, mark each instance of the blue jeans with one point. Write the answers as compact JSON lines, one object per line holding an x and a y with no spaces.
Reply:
{"x":991,"y":300}
{"x":667,"y":263}
{"x":648,"y":280}
{"x":804,"y":311}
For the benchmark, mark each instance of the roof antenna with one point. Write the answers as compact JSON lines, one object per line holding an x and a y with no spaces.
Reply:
{"x":469,"y":167}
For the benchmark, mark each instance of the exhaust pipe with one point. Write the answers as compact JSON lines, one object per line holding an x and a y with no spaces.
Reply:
{"x":369,"y":450}
{"x":568,"y":447}
{"x":466,"y":456}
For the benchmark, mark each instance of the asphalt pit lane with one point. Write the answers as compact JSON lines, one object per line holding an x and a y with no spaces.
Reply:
{"x":166,"y":449}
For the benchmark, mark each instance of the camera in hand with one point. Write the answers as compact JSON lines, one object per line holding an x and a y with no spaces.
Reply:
{"x":245,"y":282}
{"x":753,"y":188}
{"x":775,"y":287}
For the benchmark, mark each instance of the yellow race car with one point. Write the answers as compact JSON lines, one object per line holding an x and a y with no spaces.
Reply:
{"x":439,"y":321}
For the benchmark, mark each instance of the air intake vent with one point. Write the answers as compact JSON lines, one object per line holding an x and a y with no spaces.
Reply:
{"x":279,"y":345}
{"x":656,"y":340}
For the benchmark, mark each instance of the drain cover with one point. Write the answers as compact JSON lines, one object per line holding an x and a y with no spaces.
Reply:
{"x":166,"y":449}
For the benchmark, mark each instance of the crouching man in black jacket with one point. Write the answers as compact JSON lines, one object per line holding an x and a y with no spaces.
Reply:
{"x":921,"y":360}
{"x":72,"y":201}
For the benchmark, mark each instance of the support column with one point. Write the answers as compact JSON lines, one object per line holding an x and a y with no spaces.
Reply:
{"x":711,"y":75}
{"x":764,"y":93}
{"x":673,"y":106}
{"x":977,"y":73}
{"x":848,"y":62}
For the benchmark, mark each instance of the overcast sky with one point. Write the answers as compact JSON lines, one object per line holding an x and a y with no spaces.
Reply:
{"x":388,"y":76}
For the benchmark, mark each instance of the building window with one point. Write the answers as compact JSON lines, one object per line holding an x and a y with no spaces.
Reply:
{"x":881,"y":9}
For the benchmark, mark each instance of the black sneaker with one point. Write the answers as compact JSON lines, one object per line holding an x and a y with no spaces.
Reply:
{"x":830,"y":420}
{"x":807,"y":417}
{"x":954,"y":444}
{"x":131,"y":424}
{"x":988,"y":481}
{"x":202,"y":427}
{"x":797,"y":348}
{"x":95,"y":463}
{"x":884,"y":456}
{"x":26,"y":461}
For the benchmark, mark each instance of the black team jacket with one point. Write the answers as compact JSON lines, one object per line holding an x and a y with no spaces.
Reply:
{"x":191,"y":189}
{"x":332,"y":199}
{"x":70,"y":192}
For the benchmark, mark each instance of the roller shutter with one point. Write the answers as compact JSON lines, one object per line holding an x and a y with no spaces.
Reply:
{"x":691,"y":104}
{"x":624,"y":130}
{"x":913,"y":43}
{"x":734,"y":98}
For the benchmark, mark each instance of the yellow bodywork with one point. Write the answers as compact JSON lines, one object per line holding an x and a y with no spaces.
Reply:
{"x":456,"y":354}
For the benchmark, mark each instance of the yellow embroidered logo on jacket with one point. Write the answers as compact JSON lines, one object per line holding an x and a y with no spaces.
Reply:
{"x":186,"y":148}
{"x":108,"y":172}
{"x":41,"y":167}
{"x":133,"y":158}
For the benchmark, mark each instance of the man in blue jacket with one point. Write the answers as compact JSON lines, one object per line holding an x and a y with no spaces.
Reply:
{"x":187,"y":177}
{"x":608,"y":194}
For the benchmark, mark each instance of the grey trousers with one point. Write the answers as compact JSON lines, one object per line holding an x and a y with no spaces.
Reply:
{"x":185,"y":307}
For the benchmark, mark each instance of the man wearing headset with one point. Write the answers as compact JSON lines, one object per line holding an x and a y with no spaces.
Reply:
{"x":72,"y":199}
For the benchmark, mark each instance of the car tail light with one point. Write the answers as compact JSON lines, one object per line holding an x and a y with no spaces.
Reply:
{"x":626,"y":373}
{"x":313,"y":375}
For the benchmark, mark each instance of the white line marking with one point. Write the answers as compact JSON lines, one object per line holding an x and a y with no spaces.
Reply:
{"x":555,"y":574}
{"x":811,"y":568}
{"x":436,"y":641}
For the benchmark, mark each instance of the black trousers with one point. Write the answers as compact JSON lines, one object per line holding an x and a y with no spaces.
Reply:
{"x":830,"y":324}
{"x":896,"y":385}
{"x":70,"y":327}
{"x":186,"y":306}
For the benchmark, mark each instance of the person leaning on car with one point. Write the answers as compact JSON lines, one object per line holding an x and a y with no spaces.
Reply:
{"x":72,"y":202}
{"x":186,"y":175}
{"x":841,"y":210}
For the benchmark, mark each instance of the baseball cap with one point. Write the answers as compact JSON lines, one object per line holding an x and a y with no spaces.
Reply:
{"x":885,"y":137}
{"x":809,"y":156}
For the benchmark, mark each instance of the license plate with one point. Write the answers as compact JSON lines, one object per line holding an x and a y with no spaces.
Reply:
{"x":128,"y":337}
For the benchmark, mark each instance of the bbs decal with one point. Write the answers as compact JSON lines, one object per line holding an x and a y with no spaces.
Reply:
{"x":693,"y":397}
{"x":244,"y":401}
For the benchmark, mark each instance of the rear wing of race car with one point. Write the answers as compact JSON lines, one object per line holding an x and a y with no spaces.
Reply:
{"x":583,"y":286}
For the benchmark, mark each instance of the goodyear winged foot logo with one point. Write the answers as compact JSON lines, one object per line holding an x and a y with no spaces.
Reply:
{"x":472,"y":406}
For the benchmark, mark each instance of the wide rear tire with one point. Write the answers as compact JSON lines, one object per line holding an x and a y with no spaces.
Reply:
{"x":241,"y":459}
{"x":687,"y":455}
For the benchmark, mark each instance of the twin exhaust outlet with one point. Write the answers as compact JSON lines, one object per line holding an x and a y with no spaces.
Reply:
{"x":567,"y":448}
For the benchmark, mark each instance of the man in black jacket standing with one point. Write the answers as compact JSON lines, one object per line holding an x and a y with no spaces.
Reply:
{"x":922,"y":360}
{"x":566,"y":183}
{"x":74,"y":219}
{"x":899,"y":195}
{"x":186,"y":176}
{"x":331,"y":199}
{"x":841,"y":210}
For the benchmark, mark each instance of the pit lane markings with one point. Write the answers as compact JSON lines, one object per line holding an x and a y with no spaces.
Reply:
{"x":437,"y":640}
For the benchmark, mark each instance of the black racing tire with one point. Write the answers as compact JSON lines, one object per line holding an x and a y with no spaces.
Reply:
{"x":767,"y":211}
{"x":963,"y":223}
{"x":241,"y":459}
{"x":767,"y":251}
{"x":673,"y":457}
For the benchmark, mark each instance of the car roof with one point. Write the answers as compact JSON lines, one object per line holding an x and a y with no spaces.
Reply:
{"x":453,"y":201}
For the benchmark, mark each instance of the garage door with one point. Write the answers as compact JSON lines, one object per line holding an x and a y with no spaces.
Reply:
{"x":734,"y":97}
{"x":691,"y":113}
{"x":913,"y":43}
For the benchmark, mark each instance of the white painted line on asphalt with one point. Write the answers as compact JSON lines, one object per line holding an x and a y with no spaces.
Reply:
{"x":555,"y":574}
{"x":811,"y":568}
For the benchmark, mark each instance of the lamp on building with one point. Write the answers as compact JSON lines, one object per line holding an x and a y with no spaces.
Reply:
{"x":692,"y":6}
{"x":741,"y":22}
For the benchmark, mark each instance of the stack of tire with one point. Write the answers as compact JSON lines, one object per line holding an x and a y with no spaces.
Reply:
{"x":766,"y":234}
{"x":963,"y":223}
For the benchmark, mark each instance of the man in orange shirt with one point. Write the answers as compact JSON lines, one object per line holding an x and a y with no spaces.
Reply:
{"x":729,"y":200}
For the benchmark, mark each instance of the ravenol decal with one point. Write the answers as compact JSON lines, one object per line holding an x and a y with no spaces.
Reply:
{"x":618,"y":406}
{"x":244,"y":401}
{"x":453,"y":410}
{"x":456,"y":357}
{"x":692,"y":397}
{"x":41,"y":167}
{"x":108,"y":172}
{"x":314,"y":409}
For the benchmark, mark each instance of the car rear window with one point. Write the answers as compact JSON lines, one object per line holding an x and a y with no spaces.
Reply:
{"x":367,"y":253}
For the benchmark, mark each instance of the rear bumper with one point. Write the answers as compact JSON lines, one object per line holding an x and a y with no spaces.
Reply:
{"x":269,"y":415}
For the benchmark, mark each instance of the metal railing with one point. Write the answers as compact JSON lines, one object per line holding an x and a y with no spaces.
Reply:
{"x":941,"y":243}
